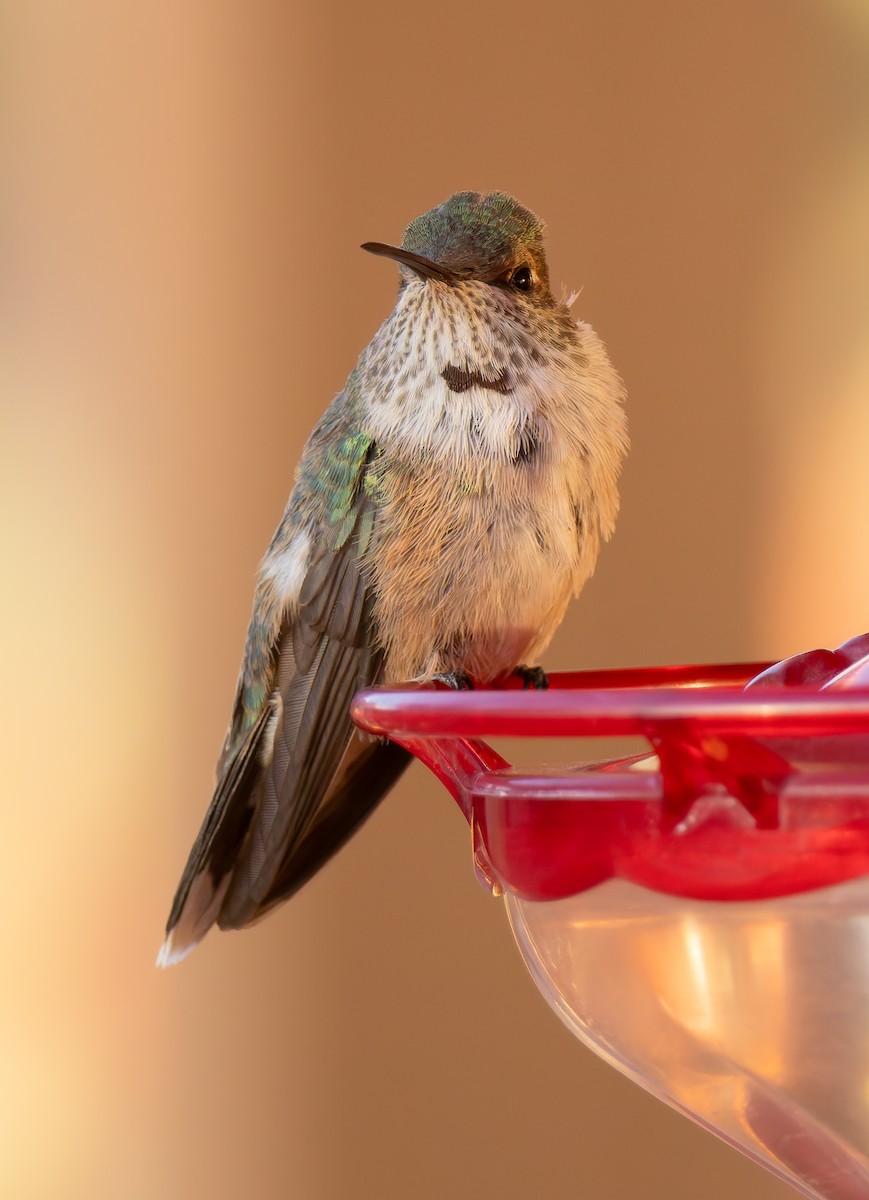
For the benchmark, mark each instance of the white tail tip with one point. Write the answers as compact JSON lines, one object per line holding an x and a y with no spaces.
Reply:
{"x":170,"y":954}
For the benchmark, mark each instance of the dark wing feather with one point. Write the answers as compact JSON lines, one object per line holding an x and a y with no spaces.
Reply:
{"x":311,"y":729}
{"x":306,"y":804}
{"x":369,"y":771}
{"x":223,"y":829}
{"x":301,"y":781}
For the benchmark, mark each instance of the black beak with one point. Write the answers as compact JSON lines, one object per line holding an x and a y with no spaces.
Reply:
{"x":424,"y":267}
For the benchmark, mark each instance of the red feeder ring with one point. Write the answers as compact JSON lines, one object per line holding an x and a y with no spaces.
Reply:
{"x":756,"y":791}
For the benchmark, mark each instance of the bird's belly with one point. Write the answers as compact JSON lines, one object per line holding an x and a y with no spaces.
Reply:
{"x":474,"y":583}
{"x":514,"y":597}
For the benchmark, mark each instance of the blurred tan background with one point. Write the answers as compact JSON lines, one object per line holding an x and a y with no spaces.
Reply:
{"x":186,"y":188}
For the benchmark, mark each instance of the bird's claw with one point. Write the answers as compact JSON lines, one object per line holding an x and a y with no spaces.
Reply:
{"x":532,"y":677}
{"x":459,"y":681}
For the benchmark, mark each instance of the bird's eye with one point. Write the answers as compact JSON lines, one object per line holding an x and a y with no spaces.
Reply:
{"x":522,"y":279}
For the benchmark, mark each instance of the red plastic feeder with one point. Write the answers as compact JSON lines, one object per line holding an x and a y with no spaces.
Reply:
{"x":756,"y":791}
{"x":712,"y":881}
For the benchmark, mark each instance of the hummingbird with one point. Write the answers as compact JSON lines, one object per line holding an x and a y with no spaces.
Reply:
{"x":448,"y":504}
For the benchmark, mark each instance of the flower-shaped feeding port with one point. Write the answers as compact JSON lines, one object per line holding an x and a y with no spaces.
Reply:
{"x":699,"y":916}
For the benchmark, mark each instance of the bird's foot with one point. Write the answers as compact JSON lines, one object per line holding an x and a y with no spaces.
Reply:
{"x":459,"y":681}
{"x":532,"y":677}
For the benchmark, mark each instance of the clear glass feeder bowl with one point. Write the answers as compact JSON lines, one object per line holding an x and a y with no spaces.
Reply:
{"x":699,"y":916}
